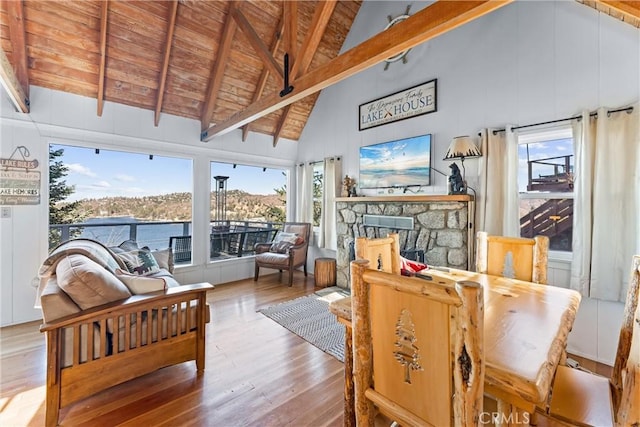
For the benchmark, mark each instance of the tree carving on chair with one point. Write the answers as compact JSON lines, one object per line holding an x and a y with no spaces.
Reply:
{"x":507,"y":267}
{"x":379,"y":262}
{"x":408,"y":354}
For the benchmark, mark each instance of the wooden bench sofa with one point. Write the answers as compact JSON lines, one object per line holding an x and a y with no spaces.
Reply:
{"x":90,"y":349}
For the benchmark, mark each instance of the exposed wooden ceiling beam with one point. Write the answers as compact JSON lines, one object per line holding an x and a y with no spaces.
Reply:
{"x":15,"y":14}
{"x":11,"y":84}
{"x":103,"y":54}
{"x":308,"y":49}
{"x":171,"y":24}
{"x":314,"y":35}
{"x":257,"y":43}
{"x":437,"y":19}
{"x":217,"y":72}
{"x":262,"y":81}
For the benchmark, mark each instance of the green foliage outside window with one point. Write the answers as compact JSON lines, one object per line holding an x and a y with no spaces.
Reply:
{"x":61,"y":212}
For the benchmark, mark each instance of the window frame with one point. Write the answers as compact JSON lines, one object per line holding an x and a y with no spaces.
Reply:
{"x":319,"y":165}
{"x":547,"y":135}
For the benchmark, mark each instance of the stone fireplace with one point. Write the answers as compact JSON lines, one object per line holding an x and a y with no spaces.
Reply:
{"x":442,"y":227}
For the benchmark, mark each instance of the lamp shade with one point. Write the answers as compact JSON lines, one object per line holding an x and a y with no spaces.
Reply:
{"x":462,"y":147}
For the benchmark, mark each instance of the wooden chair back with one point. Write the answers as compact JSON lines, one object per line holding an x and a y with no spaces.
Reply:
{"x":382,"y":253}
{"x":582,"y":398}
{"x":513,"y":257}
{"x":417,"y":348}
{"x":625,"y":377}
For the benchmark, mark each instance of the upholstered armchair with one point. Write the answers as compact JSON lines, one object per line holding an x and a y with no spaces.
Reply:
{"x":288,"y":251}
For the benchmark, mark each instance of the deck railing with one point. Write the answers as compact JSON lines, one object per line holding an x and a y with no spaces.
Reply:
{"x":228,"y":239}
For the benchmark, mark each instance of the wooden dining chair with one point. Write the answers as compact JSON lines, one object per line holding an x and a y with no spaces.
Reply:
{"x":585,"y":399}
{"x":383,"y":253}
{"x":418,"y":349}
{"x":513,"y":257}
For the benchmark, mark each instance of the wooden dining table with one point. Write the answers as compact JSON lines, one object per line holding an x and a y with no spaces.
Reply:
{"x":526,"y":326}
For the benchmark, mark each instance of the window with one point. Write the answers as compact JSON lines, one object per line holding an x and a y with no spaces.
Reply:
{"x":545,"y":185}
{"x":113,"y":196}
{"x":248,"y":205}
{"x":318,"y":183}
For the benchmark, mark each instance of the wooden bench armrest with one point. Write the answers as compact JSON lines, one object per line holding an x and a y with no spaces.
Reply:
{"x":132,"y":304}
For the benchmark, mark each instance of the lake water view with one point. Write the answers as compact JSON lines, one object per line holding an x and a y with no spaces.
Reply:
{"x":155,"y":236}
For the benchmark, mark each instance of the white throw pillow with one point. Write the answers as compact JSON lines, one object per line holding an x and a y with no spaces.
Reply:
{"x":141,"y":284}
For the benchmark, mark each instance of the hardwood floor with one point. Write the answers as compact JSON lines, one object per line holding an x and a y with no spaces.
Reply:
{"x":257,"y":374}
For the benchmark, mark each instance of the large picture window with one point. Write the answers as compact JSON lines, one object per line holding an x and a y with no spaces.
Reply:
{"x":545,"y":185}
{"x":113,"y":196}
{"x":248,"y":206}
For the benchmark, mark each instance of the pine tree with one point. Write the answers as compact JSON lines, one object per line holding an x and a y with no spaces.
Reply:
{"x":60,"y":212}
{"x":407,"y":353}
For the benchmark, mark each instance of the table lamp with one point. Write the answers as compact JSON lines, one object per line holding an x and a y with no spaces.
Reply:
{"x":461,"y":147}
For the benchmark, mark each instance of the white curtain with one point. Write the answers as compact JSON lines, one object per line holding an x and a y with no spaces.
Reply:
{"x":304,"y":185}
{"x":608,"y":192}
{"x":497,"y":203}
{"x":331,"y":188}
{"x":582,"y":220}
{"x":511,"y":225}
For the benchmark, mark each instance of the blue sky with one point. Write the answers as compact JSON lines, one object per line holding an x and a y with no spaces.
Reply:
{"x":114,"y":173}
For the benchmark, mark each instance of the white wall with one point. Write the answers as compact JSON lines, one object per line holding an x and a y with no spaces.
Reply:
{"x":527,"y":62}
{"x":69,"y":119}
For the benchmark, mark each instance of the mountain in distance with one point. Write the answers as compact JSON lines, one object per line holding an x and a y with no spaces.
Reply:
{"x":177,"y":206}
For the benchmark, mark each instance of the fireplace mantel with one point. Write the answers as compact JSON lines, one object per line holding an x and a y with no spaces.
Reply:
{"x":408,"y":198}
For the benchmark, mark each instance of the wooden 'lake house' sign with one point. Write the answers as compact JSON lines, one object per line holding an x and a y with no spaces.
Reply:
{"x":415,"y":101}
{"x":19,"y":182}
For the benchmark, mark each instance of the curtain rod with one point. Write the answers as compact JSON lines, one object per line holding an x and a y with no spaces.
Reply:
{"x":320,"y":161}
{"x":594,"y":114}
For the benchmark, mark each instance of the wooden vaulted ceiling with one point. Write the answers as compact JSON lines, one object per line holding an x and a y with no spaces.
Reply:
{"x":217,"y":61}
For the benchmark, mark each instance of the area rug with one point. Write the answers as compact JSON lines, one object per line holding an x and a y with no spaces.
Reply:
{"x":309,"y":318}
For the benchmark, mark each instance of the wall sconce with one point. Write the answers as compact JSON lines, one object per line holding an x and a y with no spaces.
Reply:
{"x":97,"y":151}
{"x":264,"y":169}
{"x":150,"y":156}
{"x":234,"y":165}
{"x":461,"y":147}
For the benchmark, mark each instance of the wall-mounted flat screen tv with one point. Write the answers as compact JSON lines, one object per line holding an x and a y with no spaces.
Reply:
{"x":396,"y":164}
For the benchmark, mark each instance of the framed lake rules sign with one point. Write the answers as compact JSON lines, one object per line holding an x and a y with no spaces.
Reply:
{"x":415,"y":101}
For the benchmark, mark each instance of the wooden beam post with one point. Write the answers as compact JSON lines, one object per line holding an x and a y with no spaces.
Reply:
{"x":10,"y":82}
{"x":162,"y":80}
{"x":430,"y":22}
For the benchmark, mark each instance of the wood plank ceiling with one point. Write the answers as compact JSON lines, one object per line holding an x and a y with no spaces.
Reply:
{"x":204,"y":60}
{"x":217,"y":61}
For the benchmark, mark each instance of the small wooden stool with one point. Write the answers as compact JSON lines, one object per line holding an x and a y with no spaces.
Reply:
{"x":324,"y":272}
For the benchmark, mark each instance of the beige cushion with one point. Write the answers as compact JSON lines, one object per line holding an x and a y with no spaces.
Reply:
{"x":164,"y":258}
{"x":55,"y":302}
{"x":581,"y":398}
{"x":141,"y":284}
{"x":87,"y":283}
{"x":83,"y":345}
{"x":273,"y":258}
{"x":122,"y":343}
{"x":167,"y":277}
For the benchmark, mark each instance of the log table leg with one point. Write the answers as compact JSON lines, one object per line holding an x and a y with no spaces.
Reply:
{"x":349,"y":392}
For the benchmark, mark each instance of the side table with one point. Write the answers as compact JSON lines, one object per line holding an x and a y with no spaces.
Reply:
{"x":324,"y":272}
